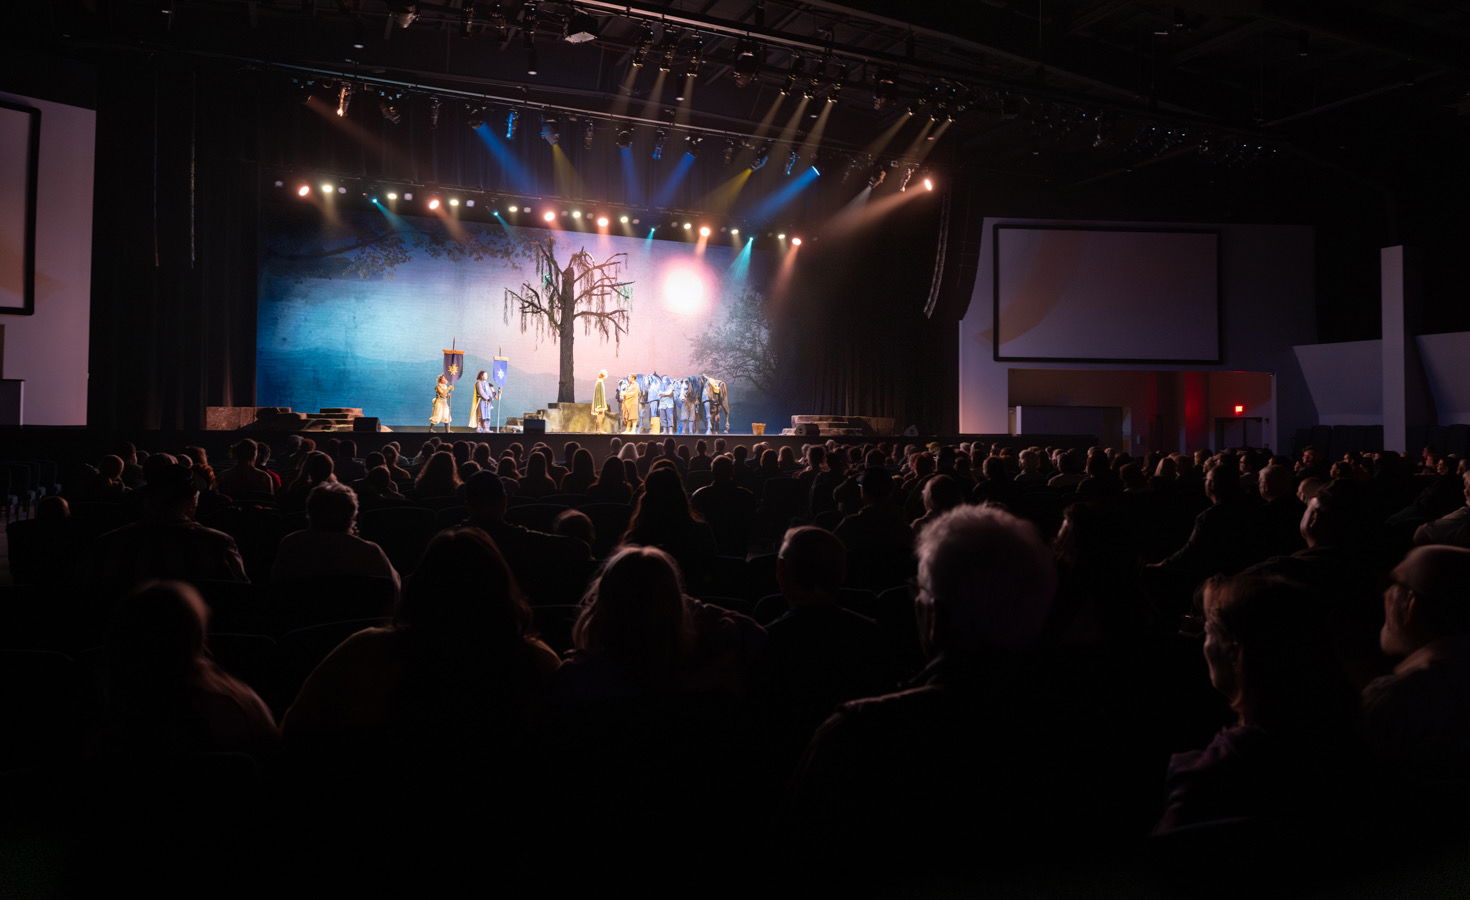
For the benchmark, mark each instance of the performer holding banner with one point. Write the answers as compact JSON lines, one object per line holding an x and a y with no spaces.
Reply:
{"x":483,"y":402}
{"x":629,"y":398}
{"x":440,"y":413}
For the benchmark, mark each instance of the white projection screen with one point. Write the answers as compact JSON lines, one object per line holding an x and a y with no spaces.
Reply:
{"x":1106,"y":295}
{"x":19,"y":133}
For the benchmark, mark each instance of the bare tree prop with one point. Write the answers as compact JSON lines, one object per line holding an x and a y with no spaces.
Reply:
{"x":585,"y":289}
{"x":739,"y":346}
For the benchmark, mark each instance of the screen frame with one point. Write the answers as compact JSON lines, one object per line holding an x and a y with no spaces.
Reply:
{"x":1127,"y":229}
{"x":28,"y":255}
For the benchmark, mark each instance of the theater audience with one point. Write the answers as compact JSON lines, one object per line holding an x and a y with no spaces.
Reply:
{"x":439,"y":477}
{"x":817,"y":654}
{"x":245,"y":478}
{"x":1452,"y":528}
{"x":329,"y":545}
{"x":549,"y":568}
{"x":582,"y":473}
{"x":167,"y":543}
{"x":879,"y":545}
{"x":663,"y":518}
{"x":726,"y":507}
{"x":611,"y":485}
{"x":163,"y":692}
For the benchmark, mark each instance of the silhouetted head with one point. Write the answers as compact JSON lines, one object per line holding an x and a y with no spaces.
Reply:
{"x":635,"y":615}
{"x":811,"y":566}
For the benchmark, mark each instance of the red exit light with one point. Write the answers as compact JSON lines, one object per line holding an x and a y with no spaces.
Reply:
{"x":1239,"y":409}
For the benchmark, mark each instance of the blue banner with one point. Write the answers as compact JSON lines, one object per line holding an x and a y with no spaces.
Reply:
{"x":499,"y":369}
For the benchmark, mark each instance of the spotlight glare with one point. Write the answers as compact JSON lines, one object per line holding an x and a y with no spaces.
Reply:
{"x":781,"y":236}
{"x":327,"y":188}
{"x":704,"y":231}
{"x":734,"y":230}
{"x":515,"y":209}
{"x":341,"y":190}
{"x":469,"y":203}
{"x":576,"y":214}
{"x":623,"y":219}
{"x":453,"y":201}
{"x":602,"y":221}
{"x":687,"y":226}
{"x":796,"y":242}
{"x":549,"y":216}
{"x":407,"y":196}
{"x":304,"y":190}
{"x":434,"y":203}
{"x":928,"y":184}
{"x":392,"y":195}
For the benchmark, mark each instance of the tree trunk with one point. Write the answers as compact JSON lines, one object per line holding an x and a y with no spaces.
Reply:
{"x":566,"y":389}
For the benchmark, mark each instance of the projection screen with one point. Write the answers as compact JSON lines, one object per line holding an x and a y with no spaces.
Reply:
{"x":1106,"y":295}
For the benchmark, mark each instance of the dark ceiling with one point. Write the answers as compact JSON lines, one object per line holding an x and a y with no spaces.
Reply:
{"x":1071,"y":91}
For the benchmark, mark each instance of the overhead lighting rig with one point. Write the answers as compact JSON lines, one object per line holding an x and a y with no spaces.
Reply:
{"x":746,"y":65}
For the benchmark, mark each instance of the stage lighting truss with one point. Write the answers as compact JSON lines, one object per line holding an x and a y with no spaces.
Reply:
{"x":404,"y":14}
{"x":876,"y":176}
{"x":497,"y":21}
{"x":474,"y":115}
{"x":511,"y":119}
{"x":467,"y":19}
{"x":691,"y":145}
{"x":696,"y":57}
{"x":625,"y":137}
{"x":836,"y":93}
{"x":530,"y":17}
{"x":747,"y":66}
{"x":551,"y":131}
{"x":659,"y":138}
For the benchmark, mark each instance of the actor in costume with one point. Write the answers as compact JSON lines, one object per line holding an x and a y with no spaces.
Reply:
{"x":629,"y":399}
{"x":440,"y":412}
{"x":484,"y":402}
{"x":665,"y":404}
{"x":717,"y":405}
{"x":599,"y":401}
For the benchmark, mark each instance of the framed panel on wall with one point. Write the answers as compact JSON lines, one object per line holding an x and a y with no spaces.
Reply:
{"x":20,"y":140}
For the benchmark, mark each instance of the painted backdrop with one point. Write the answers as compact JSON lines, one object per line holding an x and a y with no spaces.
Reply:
{"x":356,"y":310}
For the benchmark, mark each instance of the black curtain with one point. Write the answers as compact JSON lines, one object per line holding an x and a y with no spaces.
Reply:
{"x":174,"y":245}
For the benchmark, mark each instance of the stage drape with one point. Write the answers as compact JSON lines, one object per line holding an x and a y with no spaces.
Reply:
{"x":173,"y":297}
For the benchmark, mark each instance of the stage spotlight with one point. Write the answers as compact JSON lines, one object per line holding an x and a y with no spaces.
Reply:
{"x":373,"y":201}
{"x":729,"y":153}
{"x":761,"y":155}
{"x":551,"y":131}
{"x":928,"y":184}
{"x":623,"y":220}
{"x":576,"y":214}
{"x":341,"y":189}
{"x":667,"y":50}
{"x":790,"y":82}
{"x":581,"y":28}
{"x":781,"y":236}
{"x":735,"y":231}
{"x":691,"y":145}
{"x":816,"y":171}
{"x":344,"y":99}
{"x":469,"y":203}
{"x":836,"y":92}
{"x":280,"y":183}
{"x":602,"y":221}
{"x":625,"y":137}
{"x":515,"y":209}
{"x":304,"y":190}
{"x":549,"y":216}
{"x":453,"y":201}
{"x":404,"y":14}
{"x":746,"y":64}
{"x":659,"y":137}
{"x":474,"y":115}
{"x":796,"y":242}
{"x":434,"y":203}
{"x":645,"y":40}
{"x":696,"y":58}
{"x":433,"y":112}
{"x":791,"y":158}
{"x":390,"y":112}
{"x":392,"y":195}
{"x":407,"y":195}
{"x":511,"y":119}
{"x":327,"y":187}
{"x":882,"y":88}
{"x":589,"y":132}
{"x":687,"y":226}
{"x":467,"y":19}
{"x":531,"y":64}
{"x":704,"y":231}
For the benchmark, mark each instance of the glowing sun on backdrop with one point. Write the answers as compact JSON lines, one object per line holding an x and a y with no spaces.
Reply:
{"x":686,"y":288}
